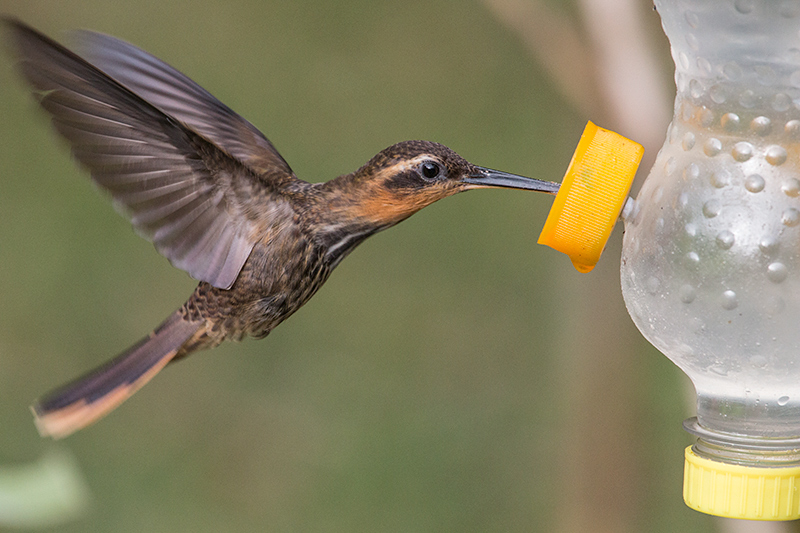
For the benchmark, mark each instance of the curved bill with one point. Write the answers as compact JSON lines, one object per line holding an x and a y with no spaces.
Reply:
{"x":487,"y":177}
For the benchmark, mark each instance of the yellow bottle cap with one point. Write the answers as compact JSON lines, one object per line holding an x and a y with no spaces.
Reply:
{"x":591,"y":196}
{"x":738,"y":491}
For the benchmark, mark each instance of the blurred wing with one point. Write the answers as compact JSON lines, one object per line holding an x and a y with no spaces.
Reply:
{"x":191,"y":198}
{"x":181,"y":98}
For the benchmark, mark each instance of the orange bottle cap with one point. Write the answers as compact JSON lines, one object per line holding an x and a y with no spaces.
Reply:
{"x":591,"y":196}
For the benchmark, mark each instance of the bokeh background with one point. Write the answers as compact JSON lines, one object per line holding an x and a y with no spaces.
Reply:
{"x":451,"y":376}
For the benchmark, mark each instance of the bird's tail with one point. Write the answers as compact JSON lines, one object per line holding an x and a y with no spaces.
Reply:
{"x":90,"y":397}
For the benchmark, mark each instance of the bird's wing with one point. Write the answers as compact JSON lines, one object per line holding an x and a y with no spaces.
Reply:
{"x":175,"y":94}
{"x":187,"y":182}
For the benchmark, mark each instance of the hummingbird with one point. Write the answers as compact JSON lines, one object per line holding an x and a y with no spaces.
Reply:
{"x":216,"y":199}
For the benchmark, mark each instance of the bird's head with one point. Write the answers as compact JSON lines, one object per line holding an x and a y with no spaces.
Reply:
{"x":407,"y":176}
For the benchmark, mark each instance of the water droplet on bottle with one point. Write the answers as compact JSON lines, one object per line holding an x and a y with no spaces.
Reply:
{"x":684,"y":60}
{"x":754,"y":183}
{"x":792,"y":128}
{"x":688,"y":294}
{"x":720,"y":178}
{"x":692,"y":259}
{"x":704,"y":65}
{"x":725,"y":239}
{"x":764,"y":74}
{"x":718,"y":94}
{"x":761,"y":125}
{"x":777,"y":272}
{"x":781,"y":102}
{"x":695,"y":87}
{"x":742,"y":151}
{"x":712,"y":147}
{"x":790,"y":217}
{"x":758,"y":361}
{"x":691,"y":40}
{"x":712,"y":208}
{"x":706,"y":117}
{"x":747,"y":98}
{"x":670,"y":166}
{"x":691,"y":172}
{"x":672,"y":133}
{"x":783,"y":400}
{"x":729,"y":300}
{"x":692,"y":19}
{"x":775,"y":155}
{"x":791,"y":187}
{"x":768,"y":245}
{"x":688,"y":141}
{"x":687,"y":110}
{"x":730,"y":121}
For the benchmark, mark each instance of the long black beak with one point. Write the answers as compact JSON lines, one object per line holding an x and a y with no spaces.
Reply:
{"x":486,"y":177}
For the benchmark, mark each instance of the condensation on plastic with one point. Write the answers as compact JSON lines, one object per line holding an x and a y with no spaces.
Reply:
{"x":711,"y":262}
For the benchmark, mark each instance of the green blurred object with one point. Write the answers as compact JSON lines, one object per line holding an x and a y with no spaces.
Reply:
{"x":46,"y":493}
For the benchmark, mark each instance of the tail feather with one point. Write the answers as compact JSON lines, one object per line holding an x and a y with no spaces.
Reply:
{"x":90,"y":397}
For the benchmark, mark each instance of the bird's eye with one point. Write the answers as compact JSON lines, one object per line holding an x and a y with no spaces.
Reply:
{"x":430,"y":169}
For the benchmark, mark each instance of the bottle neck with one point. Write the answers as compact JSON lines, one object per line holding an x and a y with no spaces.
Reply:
{"x":745,"y":450}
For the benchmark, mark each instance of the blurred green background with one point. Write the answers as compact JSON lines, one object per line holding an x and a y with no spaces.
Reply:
{"x":434,"y":383}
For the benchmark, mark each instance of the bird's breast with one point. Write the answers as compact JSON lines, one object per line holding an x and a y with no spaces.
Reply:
{"x":282,"y":273}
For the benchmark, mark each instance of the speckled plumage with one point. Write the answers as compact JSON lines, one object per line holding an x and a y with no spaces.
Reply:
{"x":216,"y":198}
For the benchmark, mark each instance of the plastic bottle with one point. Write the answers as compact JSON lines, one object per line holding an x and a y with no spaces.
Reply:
{"x":711,"y":259}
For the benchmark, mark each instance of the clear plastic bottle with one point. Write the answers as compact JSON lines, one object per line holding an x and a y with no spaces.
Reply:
{"x":711,"y":259}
